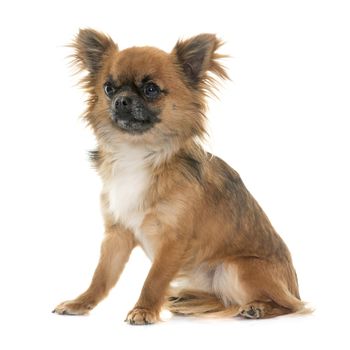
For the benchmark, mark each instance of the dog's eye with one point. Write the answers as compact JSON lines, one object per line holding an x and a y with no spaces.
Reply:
{"x":109,"y":89}
{"x":151,"y":90}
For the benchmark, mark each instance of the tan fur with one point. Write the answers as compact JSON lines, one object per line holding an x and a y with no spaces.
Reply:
{"x":213,"y":250}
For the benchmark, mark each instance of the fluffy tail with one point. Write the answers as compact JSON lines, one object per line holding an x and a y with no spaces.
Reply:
{"x":196,"y":303}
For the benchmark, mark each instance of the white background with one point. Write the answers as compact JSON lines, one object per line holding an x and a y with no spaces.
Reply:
{"x":282,"y":122}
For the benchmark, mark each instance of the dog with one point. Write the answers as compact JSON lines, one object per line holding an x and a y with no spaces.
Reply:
{"x":213,"y":249}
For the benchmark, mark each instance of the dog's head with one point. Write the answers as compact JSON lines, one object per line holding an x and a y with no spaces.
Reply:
{"x":143,"y":94}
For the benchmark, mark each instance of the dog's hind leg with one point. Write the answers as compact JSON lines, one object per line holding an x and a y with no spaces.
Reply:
{"x":262,"y":288}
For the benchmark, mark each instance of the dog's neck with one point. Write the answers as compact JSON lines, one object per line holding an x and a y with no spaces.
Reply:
{"x":147,"y":156}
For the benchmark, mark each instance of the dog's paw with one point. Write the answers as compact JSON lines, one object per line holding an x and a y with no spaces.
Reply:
{"x":73,"y":307}
{"x":141,"y":316}
{"x":252,"y":311}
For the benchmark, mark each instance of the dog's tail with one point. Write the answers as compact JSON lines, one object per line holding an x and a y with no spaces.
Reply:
{"x":196,"y":303}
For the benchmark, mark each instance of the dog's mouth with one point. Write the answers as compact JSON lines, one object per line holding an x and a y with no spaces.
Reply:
{"x":133,"y":125}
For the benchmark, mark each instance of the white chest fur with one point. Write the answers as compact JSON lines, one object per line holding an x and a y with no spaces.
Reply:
{"x":127,"y":185}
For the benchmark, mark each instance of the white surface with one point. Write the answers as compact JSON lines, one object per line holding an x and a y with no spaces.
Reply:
{"x":282,"y":123}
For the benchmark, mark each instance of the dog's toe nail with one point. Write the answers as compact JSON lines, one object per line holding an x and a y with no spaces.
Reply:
{"x":251,"y":312}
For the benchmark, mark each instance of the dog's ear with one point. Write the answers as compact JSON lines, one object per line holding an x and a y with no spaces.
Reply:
{"x":91,"y":47}
{"x":198,"y":55}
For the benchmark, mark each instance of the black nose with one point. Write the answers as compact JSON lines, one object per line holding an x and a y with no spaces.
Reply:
{"x":123,"y":104}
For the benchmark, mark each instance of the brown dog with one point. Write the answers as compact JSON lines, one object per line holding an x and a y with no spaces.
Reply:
{"x":213,"y":249}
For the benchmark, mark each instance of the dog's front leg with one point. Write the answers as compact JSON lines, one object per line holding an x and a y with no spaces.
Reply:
{"x":166,"y":264}
{"x":115,"y":251}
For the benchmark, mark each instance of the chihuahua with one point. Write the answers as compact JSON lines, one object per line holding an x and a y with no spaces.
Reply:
{"x":213,"y":249}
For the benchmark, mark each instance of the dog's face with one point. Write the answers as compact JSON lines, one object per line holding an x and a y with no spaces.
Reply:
{"x":145,"y":95}
{"x":132,"y":94}
{"x":139,"y":88}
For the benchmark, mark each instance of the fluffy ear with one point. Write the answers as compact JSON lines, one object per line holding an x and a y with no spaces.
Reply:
{"x":90,"y":49}
{"x":197,"y":56}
